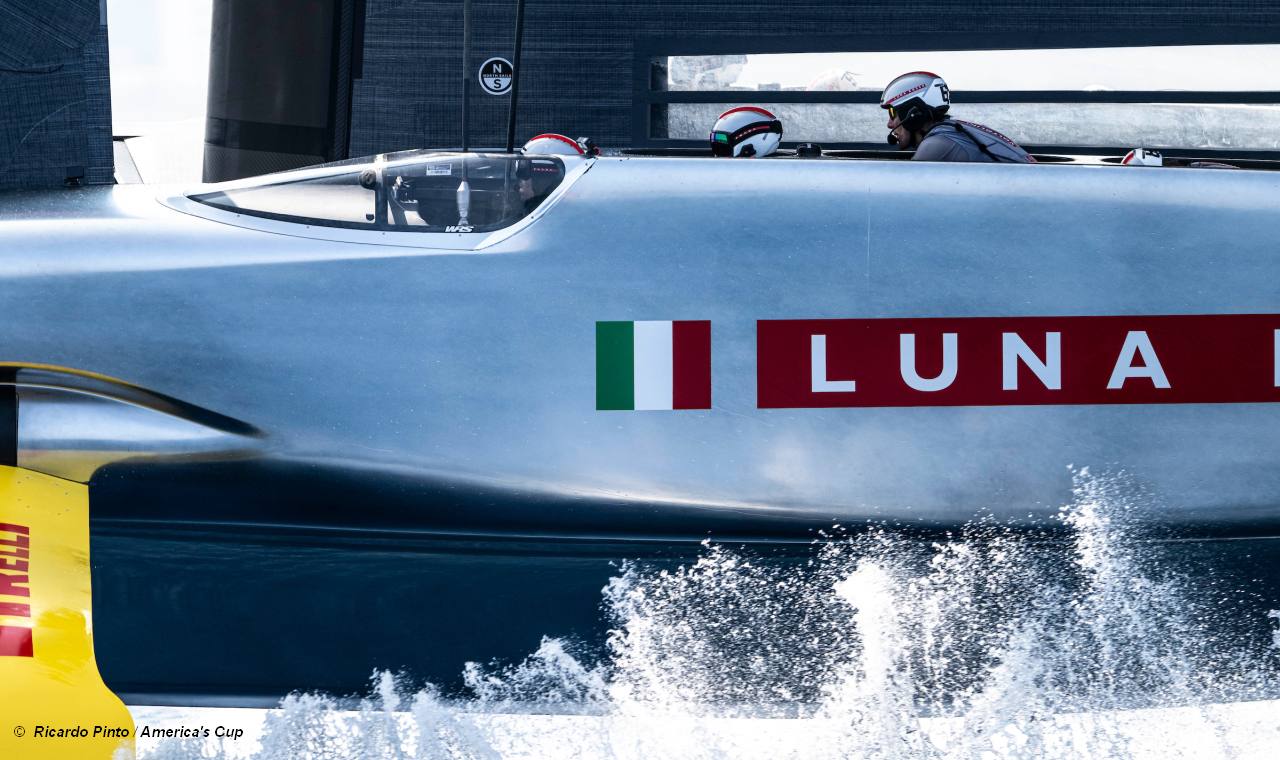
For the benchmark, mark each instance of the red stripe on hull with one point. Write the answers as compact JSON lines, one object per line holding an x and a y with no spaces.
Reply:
{"x":691,"y":348}
{"x":1207,"y":359}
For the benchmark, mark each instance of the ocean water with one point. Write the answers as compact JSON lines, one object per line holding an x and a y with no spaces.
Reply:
{"x":1098,"y":636}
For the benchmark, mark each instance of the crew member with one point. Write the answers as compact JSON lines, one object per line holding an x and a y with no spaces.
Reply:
{"x":917,"y":104}
{"x":552,"y":144}
{"x":1148,"y":157}
{"x":536,"y":176}
{"x":746,"y":132}
{"x":1142,"y":157}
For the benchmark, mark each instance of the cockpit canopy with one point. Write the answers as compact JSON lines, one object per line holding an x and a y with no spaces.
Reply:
{"x":416,"y":191}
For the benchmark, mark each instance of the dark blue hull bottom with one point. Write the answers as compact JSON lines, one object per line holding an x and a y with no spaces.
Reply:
{"x":244,"y":617}
{"x":238,"y":583}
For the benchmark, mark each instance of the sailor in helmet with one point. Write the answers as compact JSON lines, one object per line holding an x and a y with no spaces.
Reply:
{"x":537,"y":175}
{"x":917,"y":103}
{"x":746,"y":132}
{"x":552,"y":144}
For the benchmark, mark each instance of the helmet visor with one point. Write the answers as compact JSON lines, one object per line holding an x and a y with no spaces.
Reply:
{"x":721,"y":143}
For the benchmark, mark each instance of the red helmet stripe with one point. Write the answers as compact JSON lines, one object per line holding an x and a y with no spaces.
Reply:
{"x":561,"y":138}
{"x":893,"y":100}
{"x":755,"y":109}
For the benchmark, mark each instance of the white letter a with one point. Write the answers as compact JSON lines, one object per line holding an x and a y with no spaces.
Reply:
{"x":1137,"y":342}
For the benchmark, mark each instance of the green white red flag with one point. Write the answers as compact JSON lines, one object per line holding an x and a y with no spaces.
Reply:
{"x":653,"y":365}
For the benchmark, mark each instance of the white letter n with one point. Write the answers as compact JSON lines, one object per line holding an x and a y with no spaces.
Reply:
{"x":818,"y":366}
{"x":1048,"y":371}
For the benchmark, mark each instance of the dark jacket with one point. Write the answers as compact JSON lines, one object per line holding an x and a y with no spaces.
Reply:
{"x":957,"y":140}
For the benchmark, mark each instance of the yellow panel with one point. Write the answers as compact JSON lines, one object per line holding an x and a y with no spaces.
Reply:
{"x":49,"y":681}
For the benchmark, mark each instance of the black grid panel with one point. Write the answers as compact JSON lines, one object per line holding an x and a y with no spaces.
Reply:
{"x":578,"y":63}
{"x":55,"y":101}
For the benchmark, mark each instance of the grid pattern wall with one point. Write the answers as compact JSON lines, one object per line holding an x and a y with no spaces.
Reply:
{"x":578,"y":67}
{"x":55,"y":99}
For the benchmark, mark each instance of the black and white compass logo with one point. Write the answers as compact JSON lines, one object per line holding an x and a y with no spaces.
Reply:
{"x":495,"y":76}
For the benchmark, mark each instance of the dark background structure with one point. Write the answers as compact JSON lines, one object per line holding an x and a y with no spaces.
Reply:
{"x":55,"y":93}
{"x":578,"y":66}
{"x":294,"y":82}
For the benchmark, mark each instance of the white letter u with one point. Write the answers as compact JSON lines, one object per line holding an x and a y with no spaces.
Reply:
{"x":907,"y":363}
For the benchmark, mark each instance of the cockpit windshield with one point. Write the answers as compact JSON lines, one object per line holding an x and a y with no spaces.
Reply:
{"x":433,"y":192}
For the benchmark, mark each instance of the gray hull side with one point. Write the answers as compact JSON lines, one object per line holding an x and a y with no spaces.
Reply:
{"x":467,"y":380}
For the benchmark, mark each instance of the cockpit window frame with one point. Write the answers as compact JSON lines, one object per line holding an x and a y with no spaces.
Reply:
{"x":185,"y":202}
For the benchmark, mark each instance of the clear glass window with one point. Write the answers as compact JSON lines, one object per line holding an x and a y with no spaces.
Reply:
{"x":420,"y":193}
{"x":1153,"y":125}
{"x":1209,"y":68}
{"x":1162,"y":122}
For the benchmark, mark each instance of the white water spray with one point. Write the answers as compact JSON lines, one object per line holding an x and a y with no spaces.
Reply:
{"x":991,"y":644}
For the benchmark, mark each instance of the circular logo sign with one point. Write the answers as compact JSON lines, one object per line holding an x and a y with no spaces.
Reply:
{"x":495,"y":76}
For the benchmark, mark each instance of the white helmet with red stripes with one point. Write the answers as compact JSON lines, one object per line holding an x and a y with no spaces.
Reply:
{"x":746,"y":132}
{"x":1143,"y":157}
{"x":916,"y":98}
{"x":552,"y":144}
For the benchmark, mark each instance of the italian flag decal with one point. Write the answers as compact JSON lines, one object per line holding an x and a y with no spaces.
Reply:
{"x":653,"y":365}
